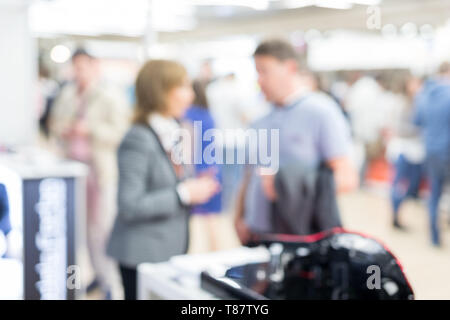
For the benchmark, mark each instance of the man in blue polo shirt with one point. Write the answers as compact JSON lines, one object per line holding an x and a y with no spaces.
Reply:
{"x":312,"y":130}
{"x":433,"y":116}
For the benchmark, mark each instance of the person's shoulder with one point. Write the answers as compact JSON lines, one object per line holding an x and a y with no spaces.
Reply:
{"x":197,"y":111}
{"x":65,"y":98}
{"x":67,"y":86}
{"x":320,"y":104}
{"x":261,"y":122}
{"x":68,"y":89}
{"x":206,"y":116}
{"x":138,"y":136}
{"x":110,"y":91}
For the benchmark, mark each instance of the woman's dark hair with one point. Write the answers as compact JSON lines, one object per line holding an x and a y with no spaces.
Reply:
{"x":200,"y":94}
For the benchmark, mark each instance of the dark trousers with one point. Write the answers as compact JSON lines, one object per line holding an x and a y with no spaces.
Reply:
{"x":129,"y":281}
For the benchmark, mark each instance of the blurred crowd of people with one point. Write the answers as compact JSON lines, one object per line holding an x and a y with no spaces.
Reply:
{"x":404,"y":120}
{"x":139,"y":200}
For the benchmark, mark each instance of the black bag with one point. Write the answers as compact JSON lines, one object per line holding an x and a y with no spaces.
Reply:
{"x":306,"y":201}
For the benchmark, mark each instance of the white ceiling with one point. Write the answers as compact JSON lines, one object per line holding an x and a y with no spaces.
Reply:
{"x":133,"y":17}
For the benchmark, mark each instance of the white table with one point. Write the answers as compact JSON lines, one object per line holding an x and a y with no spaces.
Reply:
{"x":179,"y":278}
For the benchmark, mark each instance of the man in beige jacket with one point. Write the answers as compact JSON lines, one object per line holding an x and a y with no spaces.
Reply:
{"x":87,"y":123}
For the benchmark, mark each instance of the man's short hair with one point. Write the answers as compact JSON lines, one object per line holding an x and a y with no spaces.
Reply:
{"x":444,"y":68}
{"x":81,"y":52}
{"x":277,"y":48}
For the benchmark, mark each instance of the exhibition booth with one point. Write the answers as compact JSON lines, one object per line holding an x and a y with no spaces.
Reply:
{"x":44,"y":250}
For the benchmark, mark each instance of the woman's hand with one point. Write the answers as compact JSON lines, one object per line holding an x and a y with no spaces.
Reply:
{"x":79,"y":129}
{"x":345,"y":175}
{"x":201,"y":189}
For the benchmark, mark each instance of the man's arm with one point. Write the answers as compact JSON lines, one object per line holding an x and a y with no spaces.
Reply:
{"x":345,"y":174}
{"x":241,"y":227}
{"x":335,"y":145}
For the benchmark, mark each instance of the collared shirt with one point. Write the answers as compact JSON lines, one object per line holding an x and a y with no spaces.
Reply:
{"x":165,"y":127}
{"x":296,"y":95}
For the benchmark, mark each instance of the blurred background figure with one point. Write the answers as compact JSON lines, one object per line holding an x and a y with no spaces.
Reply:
{"x":432,"y":115}
{"x":366,"y":112}
{"x":87,"y":122}
{"x":206,"y":74}
{"x":48,"y":89}
{"x":405,"y":150}
{"x":316,"y":83}
{"x":5,"y":223}
{"x":197,"y":114}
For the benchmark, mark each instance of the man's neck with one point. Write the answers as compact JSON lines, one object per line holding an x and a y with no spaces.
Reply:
{"x":297,"y":89}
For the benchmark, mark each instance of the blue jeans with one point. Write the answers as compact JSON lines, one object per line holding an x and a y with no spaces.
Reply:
{"x":438,"y":173}
{"x":406,"y":182}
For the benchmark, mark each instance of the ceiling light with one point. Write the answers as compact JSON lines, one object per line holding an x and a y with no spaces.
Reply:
{"x":60,"y":53}
{"x":333,"y":4}
{"x":389,"y":31}
{"x":426,"y":31}
{"x":409,"y":30}
{"x":294,"y":4}
{"x":253,"y":4}
{"x":365,"y":2}
{"x":330,"y":4}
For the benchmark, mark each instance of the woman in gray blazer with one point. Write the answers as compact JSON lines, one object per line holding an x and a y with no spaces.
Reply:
{"x":154,"y":194}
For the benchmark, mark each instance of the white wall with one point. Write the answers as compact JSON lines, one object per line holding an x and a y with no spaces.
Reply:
{"x":349,"y":50}
{"x":17,"y":75}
